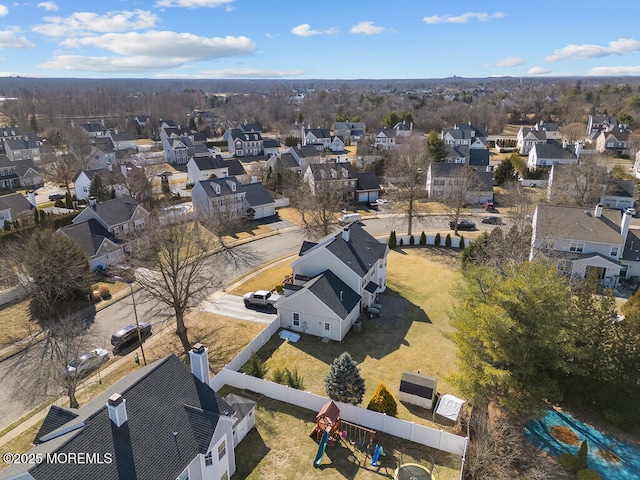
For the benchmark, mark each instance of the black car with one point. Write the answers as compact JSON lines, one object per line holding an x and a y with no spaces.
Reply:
{"x":56,"y":196}
{"x":462,"y":225}
{"x":128,"y":335}
{"x":492,"y":220}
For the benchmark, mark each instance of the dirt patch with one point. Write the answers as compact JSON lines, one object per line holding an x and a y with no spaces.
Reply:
{"x":608,"y":456}
{"x":565,"y":435}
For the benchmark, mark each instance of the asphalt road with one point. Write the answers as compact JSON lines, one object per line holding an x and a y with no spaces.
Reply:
{"x":233,"y":306}
{"x":21,"y":390}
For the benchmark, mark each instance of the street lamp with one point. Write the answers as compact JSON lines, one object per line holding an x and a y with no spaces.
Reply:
{"x":135,"y":314}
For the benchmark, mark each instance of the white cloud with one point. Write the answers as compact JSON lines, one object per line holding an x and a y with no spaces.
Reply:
{"x":50,"y":6}
{"x":193,"y":3}
{"x":622,"y":70}
{"x":616,"y":47}
{"x":538,"y":71}
{"x":464,"y":18}
{"x":366,"y":28}
{"x":3,"y":11}
{"x":506,"y":62}
{"x":10,"y":38}
{"x":110,"y":64}
{"x":86,"y":23}
{"x":251,"y":73}
{"x":163,"y":44}
{"x":304,"y":30}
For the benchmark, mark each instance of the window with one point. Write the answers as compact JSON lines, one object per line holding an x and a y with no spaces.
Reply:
{"x":296,"y":319}
{"x":327,"y":327}
{"x":614,"y":251}
{"x":576,"y":247}
{"x":438,"y":183}
{"x":565,"y":266}
{"x":222,"y":450}
{"x":208,"y":459}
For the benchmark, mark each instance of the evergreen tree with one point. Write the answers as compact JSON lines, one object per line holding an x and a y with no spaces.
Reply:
{"x":582,"y":456}
{"x":344,"y":383}
{"x":392,"y":239}
{"x":461,"y":245}
{"x":447,"y":241}
{"x":505,"y":172}
{"x":437,"y":240}
{"x":382,"y":401}
{"x":412,"y":240}
{"x":423,"y":239}
{"x":98,"y":189}
{"x":436,"y":149}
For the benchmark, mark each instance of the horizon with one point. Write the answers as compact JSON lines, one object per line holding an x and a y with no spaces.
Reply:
{"x":239,"y":40}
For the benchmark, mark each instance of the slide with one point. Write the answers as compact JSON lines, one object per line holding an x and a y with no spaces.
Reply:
{"x":321,"y":448}
{"x":376,"y":455}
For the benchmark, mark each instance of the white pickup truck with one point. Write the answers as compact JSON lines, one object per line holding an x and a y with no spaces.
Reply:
{"x":261,"y":298}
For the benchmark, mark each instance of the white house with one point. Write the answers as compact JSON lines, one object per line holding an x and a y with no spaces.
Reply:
{"x":120,"y":216}
{"x":12,"y":207}
{"x":445,"y":180}
{"x":162,"y":422}
{"x":546,"y":154}
{"x":102,"y":249}
{"x":112,"y":179}
{"x":232,"y":197}
{"x":465,"y":134}
{"x":333,"y":282}
{"x":385,"y":139}
{"x":205,"y":167}
{"x":579,"y":241}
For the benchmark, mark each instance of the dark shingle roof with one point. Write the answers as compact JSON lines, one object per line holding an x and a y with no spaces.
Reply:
{"x":55,"y":419}
{"x":161,"y":399}
{"x":241,"y":405}
{"x":288,"y":160}
{"x":552,"y":150}
{"x":89,"y":235}
{"x":306,"y":245}
{"x":360,"y":253}
{"x":367,"y":181}
{"x":621,"y":188}
{"x":478,"y":157}
{"x":16,"y":202}
{"x":256,"y":194}
{"x":209,"y":162}
{"x":270,"y":143}
{"x":234,"y":167}
{"x":578,"y":224}
{"x":116,"y":211}
{"x":324,"y":171}
{"x":334,"y":293}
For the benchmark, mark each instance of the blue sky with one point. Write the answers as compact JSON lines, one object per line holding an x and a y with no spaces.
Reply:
{"x":327,"y":39}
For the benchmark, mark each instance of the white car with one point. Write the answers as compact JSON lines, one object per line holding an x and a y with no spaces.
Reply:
{"x":87,"y":362}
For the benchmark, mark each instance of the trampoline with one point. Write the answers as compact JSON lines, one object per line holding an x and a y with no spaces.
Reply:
{"x":412,"y":471}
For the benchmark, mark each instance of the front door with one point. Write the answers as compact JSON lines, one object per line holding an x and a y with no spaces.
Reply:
{"x":327,"y":330}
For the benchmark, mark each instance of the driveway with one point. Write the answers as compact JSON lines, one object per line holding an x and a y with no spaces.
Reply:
{"x":233,"y":306}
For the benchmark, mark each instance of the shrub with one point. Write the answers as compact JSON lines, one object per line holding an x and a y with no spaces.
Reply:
{"x":382,"y":401}
{"x":568,"y":462}
{"x":256,"y":367}
{"x":461,"y":245}
{"x":447,"y":241}
{"x":613,"y":417}
{"x":587,"y":474}
{"x":401,"y":241}
{"x":582,"y":456}
{"x":7,"y":225}
{"x":293,"y":378}
{"x":278,"y":376}
{"x":437,"y":240}
{"x":279,"y":288}
{"x":412,"y":241}
{"x":392,"y":239}
{"x":104,"y":292}
{"x":423,"y":239}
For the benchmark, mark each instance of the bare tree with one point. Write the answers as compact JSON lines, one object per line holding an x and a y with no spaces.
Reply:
{"x":181,"y":269}
{"x":578,"y":185}
{"x":407,"y":170}
{"x":138,"y":183}
{"x":462,"y":184}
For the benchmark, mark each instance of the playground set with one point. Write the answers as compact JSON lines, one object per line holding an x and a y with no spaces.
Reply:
{"x":330,"y":428}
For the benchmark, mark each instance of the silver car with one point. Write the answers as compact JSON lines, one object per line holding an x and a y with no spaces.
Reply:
{"x":87,"y":362}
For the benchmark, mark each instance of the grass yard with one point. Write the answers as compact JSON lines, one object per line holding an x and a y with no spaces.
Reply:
{"x":266,"y":280}
{"x":280,"y":448}
{"x":407,"y":336}
{"x":14,"y":323}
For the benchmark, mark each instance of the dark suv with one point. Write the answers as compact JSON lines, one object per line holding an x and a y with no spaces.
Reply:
{"x":128,"y":335}
{"x":462,"y":225}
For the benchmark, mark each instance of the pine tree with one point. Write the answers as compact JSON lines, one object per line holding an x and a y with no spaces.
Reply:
{"x":447,"y":241}
{"x":461,"y":244}
{"x":344,"y":383}
{"x":392,"y":239}
{"x":582,"y":456}
{"x":423,"y":239}
{"x":437,"y":241}
{"x":412,"y":240}
{"x":98,"y":189}
{"x":382,"y":401}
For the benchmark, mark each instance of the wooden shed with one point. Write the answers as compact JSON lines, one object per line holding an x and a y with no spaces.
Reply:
{"x":417,"y":389}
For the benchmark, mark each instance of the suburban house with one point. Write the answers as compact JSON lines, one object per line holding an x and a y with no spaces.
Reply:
{"x":580,"y":241}
{"x":322,"y":176}
{"x":367,"y":187}
{"x":350,"y":131}
{"x":475,"y":157}
{"x":93,"y":129}
{"x":178,"y":150}
{"x":447,"y":180}
{"x":547,"y":154}
{"x":528,"y":137}
{"x":319,"y":138}
{"x":161,"y":422}
{"x":385,"y":139}
{"x":465,"y":134}
{"x":619,"y":194}
{"x":232,"y":197}
{"x":603,"y":123}
{"x":245,"y":141}
{"x":101,"y":247}
{"x":403,"y":129}
{"x":577,"y":185}
{"x":120,"y":217}
{"x":20,"y":173}
{"x":123,"y":140}
{"x":333,"y":282}
{"x":102,"y":154}
{"x":205,"y":167}
{"x":112,"y":179}
{"x":8,"y":132}
{"x":616,"y":143}
{"x":25,"y":148}
{"x":12,"y":207}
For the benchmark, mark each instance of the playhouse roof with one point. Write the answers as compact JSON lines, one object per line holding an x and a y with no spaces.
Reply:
{"x":329,"y":410}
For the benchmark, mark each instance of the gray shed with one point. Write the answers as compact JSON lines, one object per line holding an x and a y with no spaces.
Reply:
{"x":417,"y":389}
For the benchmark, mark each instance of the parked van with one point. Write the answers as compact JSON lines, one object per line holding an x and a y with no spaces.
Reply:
{"x":349,"y":218}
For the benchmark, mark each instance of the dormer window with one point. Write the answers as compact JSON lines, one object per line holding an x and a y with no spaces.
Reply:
{"x":208,"y":459}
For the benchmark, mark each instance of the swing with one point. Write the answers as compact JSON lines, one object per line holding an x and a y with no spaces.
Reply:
{"x":361,"y":437}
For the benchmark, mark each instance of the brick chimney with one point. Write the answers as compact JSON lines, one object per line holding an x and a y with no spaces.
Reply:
{"x":117,"y":409}
{"x":199,"y":356}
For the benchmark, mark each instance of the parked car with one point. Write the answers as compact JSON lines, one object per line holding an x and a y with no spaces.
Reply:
{"x":128,"y":335}
{"x":87,"y":362}
{"x":261,"y":298}
{"x":492,"y":220}
{"x":56,"y":196}
{"x":462,"y":225}
{"x":489,"y":206}
{"x":349,"y":218}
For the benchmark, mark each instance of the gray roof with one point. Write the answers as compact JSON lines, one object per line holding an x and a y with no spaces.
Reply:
{"x":250,"y":127}
{"x":116,"y":211}
{"x":55,"y":419}
{"x":209,"y":162}
{"x":319,"y":132}
{"x":234,"y":167}
{"x":480,"y":182}
{"x":92,"y":127}
{"x":334,"y":293}
{"x":418,"y":384}
{"x":576,"y":223}
{"x":478,"y":157}
{"x":246,"y":137}
{"x":288,"y":160}
{"x":631,"y":250}
{"x":225,"y":189}
{"x":360,"y":253}
{"x":257,"y":194}
{"x":10,"y":131}
{"x":28,"y":142}
{"x":621,"y":188}
{"x":270,"y":143}
{"x":367,"y":181}
{"x":318,"y":168}
{"x":161,"y":398}
{"x":241,"y":405}
{"x":388,"y":132}
{"x":552,"y":151}
{"x":122,"y":136}
{"x":16,"y":202}
{"x":306,"y":151}
{"x":88,"y":235}
{"x":457,"y":151}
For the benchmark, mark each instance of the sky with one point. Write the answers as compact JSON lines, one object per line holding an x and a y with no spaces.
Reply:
{"x":283,"y":39}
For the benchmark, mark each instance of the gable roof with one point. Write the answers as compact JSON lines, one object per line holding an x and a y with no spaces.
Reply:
{"x":576,"y":223}
{"x":367,"y":181}
{"x":16,"y":202}
{"x":256,"y":194}
{"x":306,"y":151}
{"x":288,"y":160}
{"x":225,"y":189}
{"x":387,"y":132}
{"x":318,"y":169}
{"x":621,"y":188}
{"x":319,"y":133}
{"x":116,"y":211}
{"x":56,"y":418}
{"x":161,"y":398}
{"x":89,"y":235}
{"x":552,"y":150}
{"x":209,"y":162}
{"x":234,"y":167}
{"x":478,"y":157}
{"x":334,"y":293}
